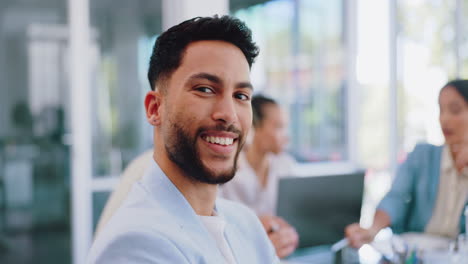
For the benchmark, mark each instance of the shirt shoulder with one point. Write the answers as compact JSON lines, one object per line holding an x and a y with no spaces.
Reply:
{"x":132,"y":236}
{"x":423,"y":147}
{"x":132,"y":233}
{"x":424,"y":154}
{"x":136,"y":245}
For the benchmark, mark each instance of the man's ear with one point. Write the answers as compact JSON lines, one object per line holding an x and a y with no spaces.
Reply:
{"x":153,"y":101}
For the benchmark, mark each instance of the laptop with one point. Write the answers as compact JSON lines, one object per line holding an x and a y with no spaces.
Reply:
{"x":320,"y":207}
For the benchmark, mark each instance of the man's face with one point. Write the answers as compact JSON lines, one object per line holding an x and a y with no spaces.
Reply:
{"x":207,"y":111}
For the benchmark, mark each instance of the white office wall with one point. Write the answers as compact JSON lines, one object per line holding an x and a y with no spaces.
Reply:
{"x":176,"y":11}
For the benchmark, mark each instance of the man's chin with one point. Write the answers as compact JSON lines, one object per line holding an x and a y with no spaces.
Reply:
{"x":220,"y":176}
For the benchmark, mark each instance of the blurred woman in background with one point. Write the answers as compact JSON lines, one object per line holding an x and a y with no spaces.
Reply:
{"x":430,"y":189}
{"x":261,"y":163}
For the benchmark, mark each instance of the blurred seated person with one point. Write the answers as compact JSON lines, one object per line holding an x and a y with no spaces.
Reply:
{"x":260,"y":165}
{"x":430,"y":189}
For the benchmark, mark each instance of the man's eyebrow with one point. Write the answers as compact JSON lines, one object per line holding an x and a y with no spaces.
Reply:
{"x":215,"y":79}
{"x":208,"y":76}
{"x":244,"y":85}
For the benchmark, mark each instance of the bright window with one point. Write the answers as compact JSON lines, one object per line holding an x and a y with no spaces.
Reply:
{"x":301,"y":64}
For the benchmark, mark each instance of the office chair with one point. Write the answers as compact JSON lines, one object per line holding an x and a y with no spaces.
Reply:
{"x":130,"y":175}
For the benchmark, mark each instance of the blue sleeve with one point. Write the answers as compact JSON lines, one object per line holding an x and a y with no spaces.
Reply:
{"x":397,"y":201}
{"x":138,"y":247}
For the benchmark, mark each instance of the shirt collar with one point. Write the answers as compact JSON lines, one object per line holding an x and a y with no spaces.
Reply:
{"x":448,"y":165}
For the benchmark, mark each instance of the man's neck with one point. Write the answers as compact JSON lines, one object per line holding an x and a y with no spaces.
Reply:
{"x":201,"y":196}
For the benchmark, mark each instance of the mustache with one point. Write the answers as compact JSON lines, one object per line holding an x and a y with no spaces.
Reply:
{"x":220,"y":128}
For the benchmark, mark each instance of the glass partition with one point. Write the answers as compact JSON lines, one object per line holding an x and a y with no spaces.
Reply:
{"x":34,"y":132}
{"x":125,"y":34}
{"x":302,"y":65}
{"x":427,"y":60}
{"x":463,"y":37}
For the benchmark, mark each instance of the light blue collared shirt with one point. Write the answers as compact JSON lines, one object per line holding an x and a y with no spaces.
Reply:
{"x":411,"y":200}
{"x":156,"y":224}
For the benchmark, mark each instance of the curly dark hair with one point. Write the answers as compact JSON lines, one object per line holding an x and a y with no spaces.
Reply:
{"x":169,"y":47}
{"x":461,"y":86}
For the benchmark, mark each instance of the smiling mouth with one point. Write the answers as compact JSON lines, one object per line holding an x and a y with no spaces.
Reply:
{"x":223,"y":141}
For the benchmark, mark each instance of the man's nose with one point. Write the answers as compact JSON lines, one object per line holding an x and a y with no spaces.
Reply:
{"x":225,"y":110}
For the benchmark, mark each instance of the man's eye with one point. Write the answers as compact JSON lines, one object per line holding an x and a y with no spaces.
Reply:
{"x":242,"y":96}
{"x":204,"y":89}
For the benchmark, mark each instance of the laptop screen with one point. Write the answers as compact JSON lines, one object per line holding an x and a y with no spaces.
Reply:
{"x":320,"y":207}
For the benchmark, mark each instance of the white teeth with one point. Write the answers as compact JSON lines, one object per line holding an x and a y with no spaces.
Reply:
{"x":220,"y":140}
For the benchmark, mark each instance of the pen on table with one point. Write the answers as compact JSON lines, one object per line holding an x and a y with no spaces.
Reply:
{"x":340,"y":245}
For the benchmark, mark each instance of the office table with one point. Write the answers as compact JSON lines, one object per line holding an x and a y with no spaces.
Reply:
{"x":375,"y":253}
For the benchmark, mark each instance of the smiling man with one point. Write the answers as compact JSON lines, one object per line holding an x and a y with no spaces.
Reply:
{"x":200,"y":108}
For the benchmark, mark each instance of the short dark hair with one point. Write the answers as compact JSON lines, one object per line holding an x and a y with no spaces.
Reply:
{"x":461,"y":86}
{"x":258,"y":108}
{"x":169,"y":47}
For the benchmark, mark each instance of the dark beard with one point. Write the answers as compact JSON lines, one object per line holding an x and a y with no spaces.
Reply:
{"x":182,"y":150}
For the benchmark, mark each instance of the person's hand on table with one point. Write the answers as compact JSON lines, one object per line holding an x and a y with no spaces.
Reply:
{"x":283,"y":236}
{"x":358,"y":236}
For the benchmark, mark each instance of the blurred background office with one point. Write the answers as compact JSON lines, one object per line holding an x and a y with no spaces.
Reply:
{"x":359,"y":80}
